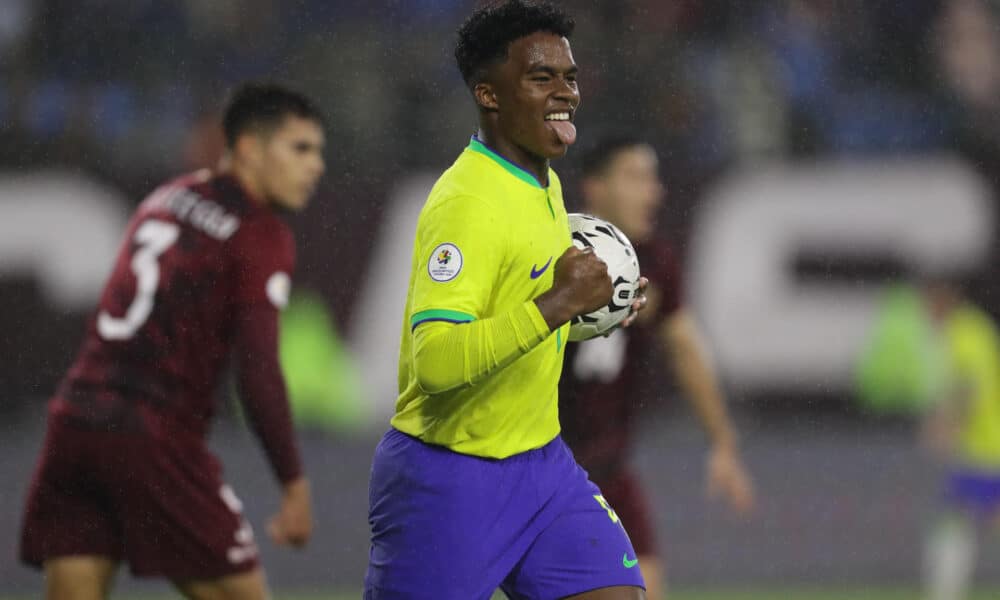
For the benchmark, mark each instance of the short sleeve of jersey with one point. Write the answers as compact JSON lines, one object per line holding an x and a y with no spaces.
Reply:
{"x":460,"y":248}
{"x":660,"y":265}
{"x":263,"y":253}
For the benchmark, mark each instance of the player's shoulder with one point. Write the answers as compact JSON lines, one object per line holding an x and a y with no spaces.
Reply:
{"x":164,"y":194}
{"x":255,"y":226}
{"x":455,"y":193}
{"x":195,"y":200}
{"x":659,"y":251}
{"x":266,"y":230}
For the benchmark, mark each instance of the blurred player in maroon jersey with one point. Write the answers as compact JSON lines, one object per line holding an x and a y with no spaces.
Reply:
{"x":599,"y":392}
{"x":125,"y":473}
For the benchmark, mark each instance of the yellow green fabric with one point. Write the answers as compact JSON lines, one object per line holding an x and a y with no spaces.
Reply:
{"x":974,"y":348}
{"x":480,"y":347}
{"x":478,"y":368}
{"x":324,"y":390}
{"x":903,"y":366}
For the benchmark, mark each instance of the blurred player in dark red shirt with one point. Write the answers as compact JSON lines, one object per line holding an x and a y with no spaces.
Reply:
{"x":204,"y":268}
{"x":599,"y":391}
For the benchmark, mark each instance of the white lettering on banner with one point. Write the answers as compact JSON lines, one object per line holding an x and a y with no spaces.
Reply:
{"x":63,"y":230}
{"x":769,"y":330}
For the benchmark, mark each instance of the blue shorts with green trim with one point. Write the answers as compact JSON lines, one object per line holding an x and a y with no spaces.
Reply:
{"x":450,"y":526}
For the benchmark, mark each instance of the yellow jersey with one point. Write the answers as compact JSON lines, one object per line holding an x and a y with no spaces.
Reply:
{"x":975,"y":367}
{"x":486,"y":242}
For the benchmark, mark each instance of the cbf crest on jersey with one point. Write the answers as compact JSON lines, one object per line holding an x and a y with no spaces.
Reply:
{"x":445,"y":262}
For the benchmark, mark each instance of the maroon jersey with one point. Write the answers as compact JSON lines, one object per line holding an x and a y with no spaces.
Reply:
{"x":599,"y":390}
{"x":202,"y":270}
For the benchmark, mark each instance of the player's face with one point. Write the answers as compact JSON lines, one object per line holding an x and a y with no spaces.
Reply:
{"x":629,"y":193}
{"x":537,"y":95}
{"x":292,"y":162}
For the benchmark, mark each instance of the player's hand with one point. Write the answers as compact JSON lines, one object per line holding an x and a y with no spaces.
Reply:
{"x":293,"y":524}
{"x":581,"y":284}
{"x":638,"y":305}
{"x":728,"y":477}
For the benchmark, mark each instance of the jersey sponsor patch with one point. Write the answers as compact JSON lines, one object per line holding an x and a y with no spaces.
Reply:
{"x":445,"y":262}
{"x":279,"y":286}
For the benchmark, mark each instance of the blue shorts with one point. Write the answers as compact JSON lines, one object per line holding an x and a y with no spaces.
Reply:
{"x":447,"y":525}
{"x":975,"y":492}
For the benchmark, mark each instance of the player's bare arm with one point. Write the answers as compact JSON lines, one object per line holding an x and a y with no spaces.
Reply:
{"x":726,"y":475}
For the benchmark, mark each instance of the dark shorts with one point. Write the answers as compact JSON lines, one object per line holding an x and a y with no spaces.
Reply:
{"x":451,"y":526}
{"x":159,"y":505}
{"x":626,"y":494}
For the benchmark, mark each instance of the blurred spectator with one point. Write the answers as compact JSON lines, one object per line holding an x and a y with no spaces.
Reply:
{"x":964,"y":428}
{"x":324,"y":390}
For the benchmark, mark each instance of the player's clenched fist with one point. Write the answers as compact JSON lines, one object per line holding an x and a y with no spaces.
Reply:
{"x":293,"y":524}
{"x":580,"y":285}
{"x":584,"y":277}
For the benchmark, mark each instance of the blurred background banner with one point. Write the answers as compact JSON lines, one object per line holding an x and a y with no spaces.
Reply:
{"x":787,"y":263}
{"x":815,"y":153}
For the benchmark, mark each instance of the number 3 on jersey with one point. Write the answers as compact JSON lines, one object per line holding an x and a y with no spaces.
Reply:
{"x":153,"y":238}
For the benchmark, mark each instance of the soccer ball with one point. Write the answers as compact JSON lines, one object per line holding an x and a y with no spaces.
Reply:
{"x":611,"y":246}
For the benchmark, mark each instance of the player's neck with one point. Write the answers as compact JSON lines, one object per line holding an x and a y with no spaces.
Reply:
{"x":535,"y":165}
{"x":250,"y":185}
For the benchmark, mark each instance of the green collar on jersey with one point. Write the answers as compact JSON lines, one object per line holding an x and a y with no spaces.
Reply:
{"x":521,"y":173}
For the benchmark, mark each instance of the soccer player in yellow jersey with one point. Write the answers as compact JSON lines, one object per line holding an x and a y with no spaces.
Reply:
{"x":472,"y":488}
{"x":965,"y":427}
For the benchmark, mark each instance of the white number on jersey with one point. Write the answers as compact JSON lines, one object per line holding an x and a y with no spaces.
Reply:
{"x":154,"y":238}
{"x":601,"y":358}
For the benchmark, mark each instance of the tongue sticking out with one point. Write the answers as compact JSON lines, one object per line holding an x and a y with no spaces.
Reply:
{"x":565,"y":130}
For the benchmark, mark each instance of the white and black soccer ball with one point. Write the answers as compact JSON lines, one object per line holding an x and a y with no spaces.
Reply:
{"x":611,"y":246}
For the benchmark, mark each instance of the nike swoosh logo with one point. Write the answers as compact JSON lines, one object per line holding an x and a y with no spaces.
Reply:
{"x":628,"y":564}
{"x":536,"y":273}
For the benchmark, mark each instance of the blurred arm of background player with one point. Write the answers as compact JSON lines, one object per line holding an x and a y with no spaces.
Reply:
{"x":726,"y":475}
{"x":621,"y":183}
{"x":263,"y":395}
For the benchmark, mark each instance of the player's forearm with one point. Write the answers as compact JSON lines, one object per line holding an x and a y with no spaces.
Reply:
{"x":263,"y":393}
{"x":448,"y":356}
{"x":556,"y":308}
{"x":271,"y":420}
{"x":697,"y":379}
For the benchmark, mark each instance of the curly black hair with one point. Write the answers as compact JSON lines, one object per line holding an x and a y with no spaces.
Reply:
{"x":485,"y":36}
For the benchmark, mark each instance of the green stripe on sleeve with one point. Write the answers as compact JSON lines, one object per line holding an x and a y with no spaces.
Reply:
{"x":450,"y":316}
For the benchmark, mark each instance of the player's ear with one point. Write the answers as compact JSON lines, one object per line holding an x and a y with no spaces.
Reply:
{"x":485,"y":96}
{"x":248,"y":147}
